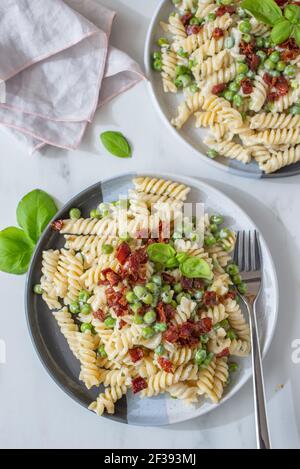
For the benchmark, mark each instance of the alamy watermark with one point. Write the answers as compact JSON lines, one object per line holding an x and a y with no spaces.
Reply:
{"x":2,"y":352}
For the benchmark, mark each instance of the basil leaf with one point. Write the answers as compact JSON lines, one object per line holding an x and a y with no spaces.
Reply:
{"x":296,"y":34}
{"x":34,"y":212}
{"x":281,"y":32}
{"x":266,"y":11}
{"x":193,"y":267}
{"x":160,"y":252}
{"x":15,"y":251}
{"x":116,"y":144}
{"x":292,"y":13}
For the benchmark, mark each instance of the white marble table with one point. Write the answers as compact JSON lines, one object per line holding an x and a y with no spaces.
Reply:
{"x":34,"y":412}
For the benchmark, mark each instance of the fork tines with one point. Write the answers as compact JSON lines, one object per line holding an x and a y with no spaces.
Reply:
{"x":247,"y":253}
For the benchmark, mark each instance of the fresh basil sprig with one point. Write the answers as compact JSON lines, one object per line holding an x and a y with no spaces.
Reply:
{"x":34,"y":212}
{"x":161,"y":253}
{"x":193,"y":267}
{"x":116,"y":144}
{"x":285,"y":24}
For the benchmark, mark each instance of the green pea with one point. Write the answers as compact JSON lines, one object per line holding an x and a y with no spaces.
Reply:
{"x":232,"y":269}
{"x":156,"y":279}
{"x":160,"y":327}
{"x":241,"y":12}
{"x":183,"y":81}
{"x":162,"y":41}
{"x":95,"y":214}
{"x":262,"y":55}
{"x":136,"y":307}
{"x":211,"y":17}
{"x":181,"y":295}
{"x":229,"y":95}
{"x":74,"y":307}
{"x":138,"y":319}
{"x":251,"y":74}
{"x":290,"y":71}
{"x":150,"y":317}
{"x":131,"y":297}
{"x":85,"y":309}
{"x":155,"y":301}
{"x":166,"y":297}
{"x":160,"y":350}
{"x":237,"y":279}
{"x":224,"y":324}
{"x":182,"y":53}
{"x":75,"y":213}
{"x":86,"y":326}
{"x":148,"y":332}
{"x":208,"y":360}
{"x":173,"y":304}
{"x":139,"y":291}
{"x":200,"y":356}
{"x":247,"y":38}
{"x":166,"y":288}
{"x":229,"y":42}
{"x":295,"y":109}
{"x":198,"y":295}
{"x":194,"y":88}
{"x":147,"y":299}
{"x":103,"y":208}
{"x":231,"y":334}
{"x":204,"y":338}
{"x":101,"y":351}
{"x":242,"y":288}
{"x":109,"y":322}
{"x":234,"y":87}
{"x":209,"y":240}
{"x":281,"y":66}
{"x":107,"y":249}
{"x":194,"y":21}
{"x":37,"y":289}
{"x":224,"y":233}
{"x":83,"y":296}
{"x":269,"y":65}
{"x":242,"y":68}
{"x":181,"y":69}
{"x":177,"y":287}
{"x":240,"y":77}
{"x":152,"y":287}
{"x":275,"y":73}
{"x":157,"y":65}
{"x":217,"y":219}
{"x":275,"y":57}
{"x":232,"y":367}
{"x":259,"y":42}
{"x":212,"y":153}
{"x":213,"y":228}
{"x":157,"y":55}
{"x":238,"y":100}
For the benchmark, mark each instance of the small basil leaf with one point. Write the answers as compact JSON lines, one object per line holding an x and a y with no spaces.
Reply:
{"x":296,"y":34}
{"x":160,"y":252}
{"x":281,"y":32}
{"x":266,"y":11}
{"x":15,"y":251}
{"x":292,"y":13}
{"x":116,"y":144}
{"x":34,"y":212}
{"x":193,"y":267}
{"x":172,"y":263}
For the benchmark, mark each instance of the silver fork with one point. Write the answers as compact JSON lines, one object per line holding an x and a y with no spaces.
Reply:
{"x":247,"y":256}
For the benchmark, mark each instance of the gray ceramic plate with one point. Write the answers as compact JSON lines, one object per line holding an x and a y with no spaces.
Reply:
{"x":166,"y":104}
{"x":52,"y":348}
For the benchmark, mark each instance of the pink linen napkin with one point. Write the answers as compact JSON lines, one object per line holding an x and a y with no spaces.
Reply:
{"x":57,"y":68}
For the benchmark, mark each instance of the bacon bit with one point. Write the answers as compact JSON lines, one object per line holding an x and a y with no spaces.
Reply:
{"x":136,"y":354}
{"x":282,"y":86}
{"x":289,"y":44}
{"x":123,"y":252}
{"x":116,"y":301}
{"x":224,"y":353}
{"x":269,"y":80}
{"x":167,"y":278}
{"x":161,"y":312}
{"x":163,"y":232}
{"x":186,"y":283}
{"x":210,"y":298}
{"x":99,"y":314}
{"x":253,"y":62}
{"x":111,"y":277}
{"x":225,"y":9}
{"x":165,"y":364}
{"x":193,"y":29}
{"x":217,"y":89}
{"x":288,"y":55}
{"x":247,"y":86}
{"x":204,"y":325}
{"x":185,"y":19}
{"x":231,"y":295}
{"x":170,"y":312}
{"x":282,"y":2}
{"x":141,"y":255}
{"x":171,"y":335}
{"x":247,"y":48}
{"x":272,"y":96}
{"x":57,"y":225}
{"x":217,"y":33}
{"x":122,"y":324}
{"x":198,"y":284}
{"x":138,"y":384}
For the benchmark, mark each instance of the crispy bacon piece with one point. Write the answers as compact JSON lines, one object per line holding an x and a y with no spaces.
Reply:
{"x":193,"y":29}
{"x":203,"y":326}
{"x":282,"y":86}
{"x":136,"y":354}
{"x":247,"y":86}
{"x":162,"y":317}
{"x":225,"y":9}
{"x":217,"y":33}
{"x":123,"y":252}
{"x":198,"y":284}
{"x":185,"y":19}
{"x":253,"y":62}
{"x":57,"y":225}
{"x":269,"y":80}
{"x":210,"y":298}
{"x":171,"y":335}
{"x":167,"y":278}
{"x":231,"y":295}
{"x":110,"y":277}
{"x":141,"y":255}
{"x":138,"y":384}
{"x":170,"y":312}
{"x":272,"y":96}
{"x":186,"y":283}
{"x":224,"y":353}
{"x":116,"y":301}
{"x":217,"y":89}
{"x":165,"y":364}
{"x":99,"y":314}
{"x":288,"y":55}
{"x":122,"y":324}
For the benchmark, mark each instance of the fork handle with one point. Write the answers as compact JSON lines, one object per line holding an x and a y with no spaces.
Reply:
{"x":262,"y":430}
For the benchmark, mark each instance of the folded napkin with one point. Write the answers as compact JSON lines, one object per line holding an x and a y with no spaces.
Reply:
{"x":56,"y":68}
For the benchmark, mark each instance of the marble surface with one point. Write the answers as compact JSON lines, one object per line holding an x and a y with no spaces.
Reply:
{"x":34,"y":412}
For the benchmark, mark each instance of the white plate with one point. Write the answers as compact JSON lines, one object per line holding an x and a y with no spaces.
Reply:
{"x":166,"y":104}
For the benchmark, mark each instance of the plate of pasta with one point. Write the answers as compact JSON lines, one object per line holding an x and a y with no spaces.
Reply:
{"x":131,"y":299}
{"x":224,"y":87}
